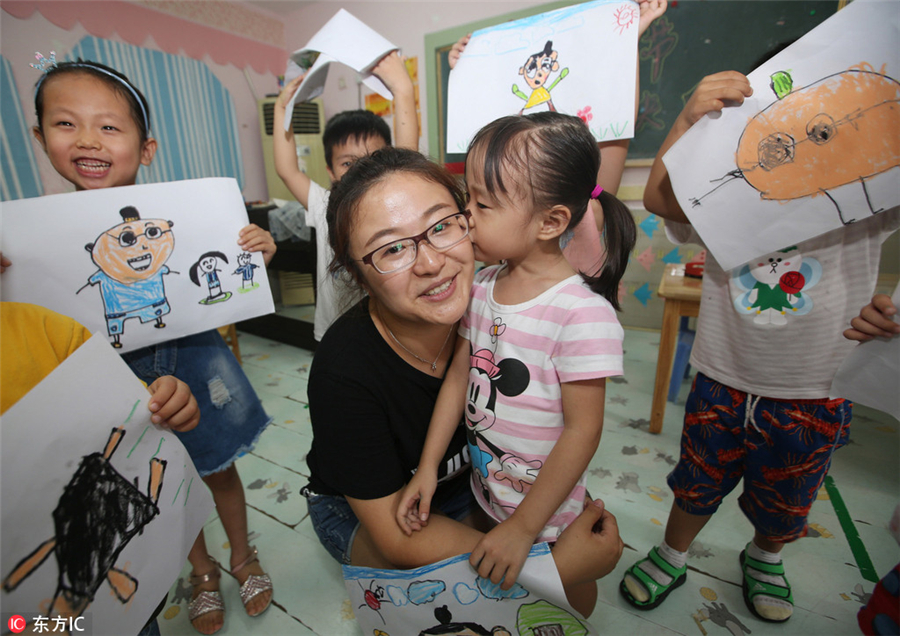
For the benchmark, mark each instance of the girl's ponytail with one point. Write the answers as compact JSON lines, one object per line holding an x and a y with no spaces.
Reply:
{"x":619,"y":236}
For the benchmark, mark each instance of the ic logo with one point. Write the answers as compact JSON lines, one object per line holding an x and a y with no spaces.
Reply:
{"x":16,"y":624}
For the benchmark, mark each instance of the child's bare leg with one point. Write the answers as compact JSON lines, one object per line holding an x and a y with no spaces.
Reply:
{"x":681,"y":530}
{"x":228,"y":493}
{"x":683,"y":527}
{"x":201,"y":564}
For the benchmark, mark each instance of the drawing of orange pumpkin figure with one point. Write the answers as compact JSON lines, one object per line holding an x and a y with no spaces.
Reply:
{"x":839,"y":130}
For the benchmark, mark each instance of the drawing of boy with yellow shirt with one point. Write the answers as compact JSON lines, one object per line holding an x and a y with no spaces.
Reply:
{"x":536,"y":71}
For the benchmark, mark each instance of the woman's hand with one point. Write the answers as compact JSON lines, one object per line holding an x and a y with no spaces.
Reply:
{"x":457,"y":50}
{"x":253,"y":238}
{"x":875,"y":320}
{"x":173,"y":405}
{"x":415,"y":501}
{"x":501,"y":553}
{"x":4,"y":263}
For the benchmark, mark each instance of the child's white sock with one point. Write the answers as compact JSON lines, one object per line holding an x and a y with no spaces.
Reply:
{"x":672,"y":556}
{"x":774,"y":609}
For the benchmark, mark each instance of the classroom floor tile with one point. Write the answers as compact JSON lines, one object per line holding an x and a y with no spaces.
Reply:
{"x":830,"y":579}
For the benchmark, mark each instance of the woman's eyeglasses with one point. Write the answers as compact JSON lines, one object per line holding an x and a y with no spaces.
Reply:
{"x":400,"y":254}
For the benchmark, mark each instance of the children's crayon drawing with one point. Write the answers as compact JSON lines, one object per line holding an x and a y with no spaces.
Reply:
{"x":208,"y":268}
{"x":131,"y":263}
{"x":138,"y":264}
{"x":815,"y":148}
{"x":88,"y":480}
{"x":450,"y":598}
{"x":245,"y":271}
{"x":578,"y":60}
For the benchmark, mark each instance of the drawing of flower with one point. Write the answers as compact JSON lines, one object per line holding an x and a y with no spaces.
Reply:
{"x":585,"y":114}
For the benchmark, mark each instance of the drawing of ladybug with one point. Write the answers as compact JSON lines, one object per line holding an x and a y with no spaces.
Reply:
{"x":373,"y":597}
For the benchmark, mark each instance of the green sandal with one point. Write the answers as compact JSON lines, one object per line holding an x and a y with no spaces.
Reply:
{"x":754,"y":587}
{"x":657,"y":591}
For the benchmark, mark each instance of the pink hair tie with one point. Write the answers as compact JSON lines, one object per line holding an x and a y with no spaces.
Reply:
{"x":596,"y":192}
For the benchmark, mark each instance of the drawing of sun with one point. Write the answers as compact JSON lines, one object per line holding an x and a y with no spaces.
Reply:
{"x":625,"y":16}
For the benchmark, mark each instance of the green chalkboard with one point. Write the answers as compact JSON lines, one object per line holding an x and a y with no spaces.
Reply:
{"x":693,"y":39}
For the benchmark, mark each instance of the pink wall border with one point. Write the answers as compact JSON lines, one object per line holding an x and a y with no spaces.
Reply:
{"x":173,"y":35}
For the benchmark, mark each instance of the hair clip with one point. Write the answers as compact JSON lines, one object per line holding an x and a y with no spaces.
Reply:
{"x":44,"y":64}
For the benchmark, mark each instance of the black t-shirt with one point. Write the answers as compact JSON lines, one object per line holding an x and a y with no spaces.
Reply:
{"x":370,"y":412}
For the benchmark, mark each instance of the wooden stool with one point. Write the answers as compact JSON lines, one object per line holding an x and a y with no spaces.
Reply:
{"x":229,"y":333}
{"x":682,"y":296}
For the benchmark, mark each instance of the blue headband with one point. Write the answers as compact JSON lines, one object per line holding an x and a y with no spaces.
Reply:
{"x":47,"y":64}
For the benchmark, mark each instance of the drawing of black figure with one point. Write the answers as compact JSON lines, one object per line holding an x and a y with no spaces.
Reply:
{"x":99,"y":512}
{"x":206,"y":266}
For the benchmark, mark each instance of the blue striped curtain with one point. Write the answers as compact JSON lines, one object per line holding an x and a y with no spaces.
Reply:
{"x":191,"y":114}
{"x":19,"y":177}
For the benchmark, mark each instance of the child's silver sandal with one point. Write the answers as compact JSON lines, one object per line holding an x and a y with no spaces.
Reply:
{"x":206,"y":601}
{"x":255,"y":584}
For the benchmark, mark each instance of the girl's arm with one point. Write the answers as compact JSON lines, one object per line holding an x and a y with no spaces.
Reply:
{"x":392,"y":71}
{"x":448,"y":411}
{"x":285,"y":148}
{"x":586,"y":551}
{"x":712,"y":94}
{"x":503,"y":550}
{"x":379,"y":543}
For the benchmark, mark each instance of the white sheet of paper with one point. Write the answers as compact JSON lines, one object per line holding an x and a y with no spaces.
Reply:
{"x":45,"y":239}
{"x":347,"y":40}
{"x":869,"y":374}
{"x":55,"y":436}
{"x":596,"y":45}
{"x":451,"y":592}
{"x":758,"y":191}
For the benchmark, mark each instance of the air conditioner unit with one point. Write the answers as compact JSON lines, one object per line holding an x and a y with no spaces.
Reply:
{"x":308,"y":122}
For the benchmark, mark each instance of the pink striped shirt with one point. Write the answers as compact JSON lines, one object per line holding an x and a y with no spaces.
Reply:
{"x":520,"y":356}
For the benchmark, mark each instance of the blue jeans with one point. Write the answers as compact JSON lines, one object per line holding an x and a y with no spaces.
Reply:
{"x":336,"y":525}
{"x":231,"y":415}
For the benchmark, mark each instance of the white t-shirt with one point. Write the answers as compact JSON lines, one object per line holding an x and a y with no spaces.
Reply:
{"x":520,"y":356}
{"x":774,"y":326}
{"x":332,"y":296}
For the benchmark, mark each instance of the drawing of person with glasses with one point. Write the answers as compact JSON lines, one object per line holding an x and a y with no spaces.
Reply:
{"x":131,"y":258}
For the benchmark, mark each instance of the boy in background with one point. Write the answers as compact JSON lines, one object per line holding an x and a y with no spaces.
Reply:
{"x":759,"y":409}
{"x":348,"y":136}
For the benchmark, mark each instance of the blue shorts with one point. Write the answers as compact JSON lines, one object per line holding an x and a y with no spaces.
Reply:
{"x":782,"y":450}
{"x":115,"y":323}
{"x":336,"y":524}
{"x":231,"y":415}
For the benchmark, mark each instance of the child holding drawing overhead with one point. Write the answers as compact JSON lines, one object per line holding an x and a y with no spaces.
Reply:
{"x":759,"y":409}
{"x":348,"y":136}
{"x":94,"y":125}
{"x":582,"y":244}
